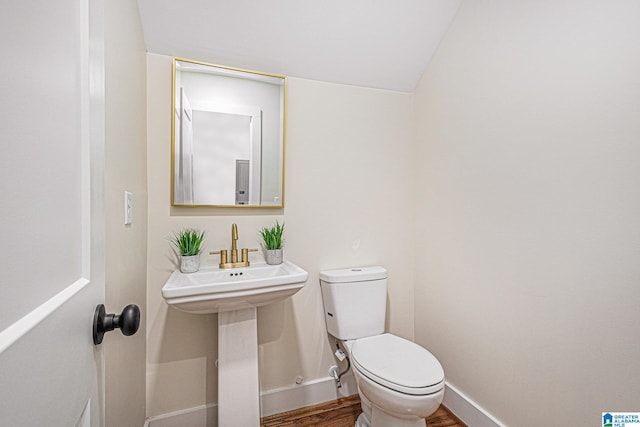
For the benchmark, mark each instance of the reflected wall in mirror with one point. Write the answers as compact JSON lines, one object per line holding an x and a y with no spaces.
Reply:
{"x":228,"y":136}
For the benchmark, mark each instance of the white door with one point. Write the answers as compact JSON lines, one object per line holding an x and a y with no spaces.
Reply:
{"x":51,"y":212}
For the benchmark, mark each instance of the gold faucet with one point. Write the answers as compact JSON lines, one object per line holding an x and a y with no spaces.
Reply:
{"x":234,"y":252}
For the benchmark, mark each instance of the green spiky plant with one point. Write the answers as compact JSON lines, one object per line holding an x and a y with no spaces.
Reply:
{"x":188,"y":241}
{"x":272,"y":236}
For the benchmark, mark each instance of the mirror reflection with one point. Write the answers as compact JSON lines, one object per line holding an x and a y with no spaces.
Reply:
{"x":228,"y":136}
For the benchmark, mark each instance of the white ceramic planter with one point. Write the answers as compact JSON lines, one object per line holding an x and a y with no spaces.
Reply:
{"x":274,"y":256}
{"x":190,"y":264}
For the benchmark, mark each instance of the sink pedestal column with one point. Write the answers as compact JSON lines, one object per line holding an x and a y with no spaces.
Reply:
{"x":238,"y":381}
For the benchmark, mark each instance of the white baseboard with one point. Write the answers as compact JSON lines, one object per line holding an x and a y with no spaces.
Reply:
{"x":272,"y":402}
{"x":467,"y":410}
{"x":312,"y":393}
{"x":306,"y":394}
{"x":200,"y":416}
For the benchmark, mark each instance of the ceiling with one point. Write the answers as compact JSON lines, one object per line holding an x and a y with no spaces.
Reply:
{"x":383,"y":44}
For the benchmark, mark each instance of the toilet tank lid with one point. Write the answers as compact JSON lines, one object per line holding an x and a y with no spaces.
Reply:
{"x":356,"y":274}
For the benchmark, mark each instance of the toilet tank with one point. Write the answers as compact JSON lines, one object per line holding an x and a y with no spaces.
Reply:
{"x":354,"y":301}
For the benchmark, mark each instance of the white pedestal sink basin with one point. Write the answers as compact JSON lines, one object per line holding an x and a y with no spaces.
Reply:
{"x":212,"y":289}
{"x":235,"y":295}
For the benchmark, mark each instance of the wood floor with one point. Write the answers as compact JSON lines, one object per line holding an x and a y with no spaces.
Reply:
{"x":343,"y":413}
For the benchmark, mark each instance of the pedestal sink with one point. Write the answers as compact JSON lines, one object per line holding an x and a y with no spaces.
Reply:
{"x":235,"y":295}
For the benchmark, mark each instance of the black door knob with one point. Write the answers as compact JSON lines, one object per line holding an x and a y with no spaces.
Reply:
{"x":128,"y":322}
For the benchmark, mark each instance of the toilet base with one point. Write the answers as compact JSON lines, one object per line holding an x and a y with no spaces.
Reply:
{"x":373,"y":416}
{"x":380,"y":418}
{"x":384,"y":420}
{"x":362,"y":421}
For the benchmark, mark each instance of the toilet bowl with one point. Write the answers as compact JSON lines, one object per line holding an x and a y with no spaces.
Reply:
{"x":399,"y":382}
{"x":402,"y":382}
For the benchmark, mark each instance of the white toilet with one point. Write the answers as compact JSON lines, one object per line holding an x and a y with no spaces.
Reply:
{"x":400,"y":383}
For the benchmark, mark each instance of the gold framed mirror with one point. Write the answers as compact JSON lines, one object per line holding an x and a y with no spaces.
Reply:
{"x":228,"y":136}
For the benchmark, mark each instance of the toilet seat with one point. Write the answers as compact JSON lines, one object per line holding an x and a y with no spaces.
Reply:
{"x":398,"y":364}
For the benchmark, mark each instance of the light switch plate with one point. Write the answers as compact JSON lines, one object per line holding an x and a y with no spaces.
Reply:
{"x":128,"y":208}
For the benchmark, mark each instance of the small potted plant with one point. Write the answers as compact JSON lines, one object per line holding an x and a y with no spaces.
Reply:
{"x":189,"y":244}
{"x":272,"y":242}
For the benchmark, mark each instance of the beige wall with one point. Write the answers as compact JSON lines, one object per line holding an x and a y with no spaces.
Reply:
{"x":527,"y":232}
{"x":125,"y":170}
{"x":347,"y":204}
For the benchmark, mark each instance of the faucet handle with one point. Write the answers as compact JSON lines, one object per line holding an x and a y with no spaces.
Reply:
{"x":245,"y":254}
{"x":223,"y":255}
